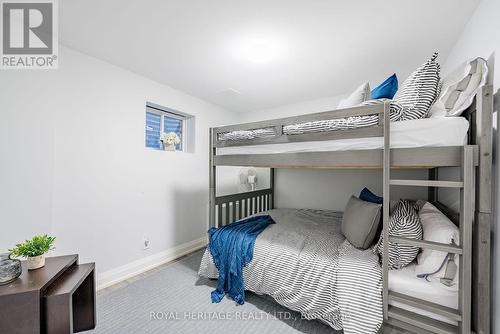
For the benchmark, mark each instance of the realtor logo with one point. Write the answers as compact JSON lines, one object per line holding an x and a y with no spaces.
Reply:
{"x":29,"y":34}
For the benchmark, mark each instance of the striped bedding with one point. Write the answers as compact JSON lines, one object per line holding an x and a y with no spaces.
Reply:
{"x":397,"y":113}
{"x":304,"y":263}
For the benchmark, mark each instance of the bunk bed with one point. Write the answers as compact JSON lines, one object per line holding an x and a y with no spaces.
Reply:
{"x":372,"y":148}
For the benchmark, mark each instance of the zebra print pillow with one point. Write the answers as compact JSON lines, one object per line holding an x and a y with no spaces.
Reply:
{"x":420,"y":90}
{"x":404,"y":222}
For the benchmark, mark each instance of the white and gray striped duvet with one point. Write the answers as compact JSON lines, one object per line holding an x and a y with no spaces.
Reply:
{"x":355,"y":122}
{"x":304,"y":263}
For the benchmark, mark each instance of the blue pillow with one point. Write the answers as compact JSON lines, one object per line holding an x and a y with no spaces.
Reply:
{"x":387,"y":89}
{"x":367,"y":196}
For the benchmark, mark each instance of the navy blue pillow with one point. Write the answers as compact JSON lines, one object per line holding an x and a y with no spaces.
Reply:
{"x":367,"y":196}
{"x":387,"y":89}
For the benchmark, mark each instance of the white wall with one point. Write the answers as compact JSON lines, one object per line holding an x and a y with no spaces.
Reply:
{"x":26,"y":157}
{"x":301,"y":108}
{"x":481,"y":37}
{"x":323,"y":188}
{"x":331,"y":189}
{"x":73,"y":163}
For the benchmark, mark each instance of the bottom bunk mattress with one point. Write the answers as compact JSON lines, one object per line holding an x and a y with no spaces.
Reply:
{"x":405,"y":281}
{"x":305,"y":264}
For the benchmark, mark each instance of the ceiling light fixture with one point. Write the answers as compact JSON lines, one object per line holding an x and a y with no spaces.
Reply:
{"x":257,"y":49}
{"x":261,"y":52}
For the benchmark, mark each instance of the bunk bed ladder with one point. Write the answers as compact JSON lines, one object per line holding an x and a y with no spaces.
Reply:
{"x":412,"y":321}
{"x":409,"y":320}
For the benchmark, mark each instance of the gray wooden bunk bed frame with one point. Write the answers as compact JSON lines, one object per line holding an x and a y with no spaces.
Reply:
{"x":475,"y":185}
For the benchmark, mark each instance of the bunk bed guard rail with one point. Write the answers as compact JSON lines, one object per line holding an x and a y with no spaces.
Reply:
{"x":280,"y":137}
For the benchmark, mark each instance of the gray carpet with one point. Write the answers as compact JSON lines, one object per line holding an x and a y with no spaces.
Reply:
{"x":180,"y":301}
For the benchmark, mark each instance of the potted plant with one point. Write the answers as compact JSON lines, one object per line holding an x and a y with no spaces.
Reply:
{"x":34,"y":250}
{"x":169,"y":140}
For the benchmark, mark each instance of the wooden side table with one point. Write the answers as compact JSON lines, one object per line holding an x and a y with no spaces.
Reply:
{"x":58,"y":298}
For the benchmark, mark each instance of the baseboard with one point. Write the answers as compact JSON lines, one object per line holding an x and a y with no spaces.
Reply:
{"x":137,"y":267}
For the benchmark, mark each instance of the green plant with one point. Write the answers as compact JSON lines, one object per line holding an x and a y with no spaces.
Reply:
{"x":38,"y":245}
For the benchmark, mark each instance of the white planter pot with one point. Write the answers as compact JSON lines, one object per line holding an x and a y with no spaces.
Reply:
{"x":168,"y":147}
{"x":36,"y":262}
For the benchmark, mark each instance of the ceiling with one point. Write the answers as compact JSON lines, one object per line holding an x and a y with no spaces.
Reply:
{"x":256,"y":54}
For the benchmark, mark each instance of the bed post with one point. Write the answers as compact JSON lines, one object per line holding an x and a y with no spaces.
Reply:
{"x":271,"y":185}
{"x":385,"y":208}
{"x":432,"y":193}
{"x":211,"y":180}
{"x":466,"y":214}
{"x":481,"y":279}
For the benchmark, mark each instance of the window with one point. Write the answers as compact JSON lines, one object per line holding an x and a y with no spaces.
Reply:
{"x":153,"y":127}
{"x":174,"y":124}
{"x":160,"y":119}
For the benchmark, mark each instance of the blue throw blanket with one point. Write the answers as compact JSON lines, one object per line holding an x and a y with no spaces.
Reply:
{"x":231,"y":247}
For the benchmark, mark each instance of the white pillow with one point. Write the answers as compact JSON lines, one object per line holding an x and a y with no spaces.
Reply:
{"x":438,"y":228}
{"x":360,"y":95}
{"x":459,"y":88}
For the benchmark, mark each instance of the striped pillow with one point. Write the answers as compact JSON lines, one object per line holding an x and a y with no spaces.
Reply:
{"x":420,"y":90}
{"x":404,"y":222}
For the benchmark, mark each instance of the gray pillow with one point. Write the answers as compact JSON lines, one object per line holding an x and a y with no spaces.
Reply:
{"x":360,"y":222}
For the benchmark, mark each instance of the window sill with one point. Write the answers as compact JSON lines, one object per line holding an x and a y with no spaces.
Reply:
{"x":166,"y":151}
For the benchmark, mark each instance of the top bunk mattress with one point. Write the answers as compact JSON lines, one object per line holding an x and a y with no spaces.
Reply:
{"x":427,"y":132}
